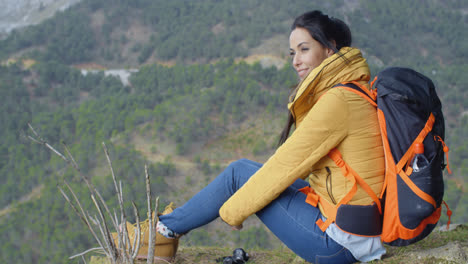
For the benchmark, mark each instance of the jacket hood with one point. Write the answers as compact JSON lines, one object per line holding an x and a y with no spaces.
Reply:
{"x":344,"y":66}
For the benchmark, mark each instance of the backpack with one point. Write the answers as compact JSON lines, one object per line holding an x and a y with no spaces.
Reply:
{"x":409,"y":112}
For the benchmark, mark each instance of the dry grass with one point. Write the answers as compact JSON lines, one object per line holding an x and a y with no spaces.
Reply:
{"x":210,"y":255}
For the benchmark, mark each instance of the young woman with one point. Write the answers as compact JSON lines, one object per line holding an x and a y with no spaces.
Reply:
{"x":325,"y":118}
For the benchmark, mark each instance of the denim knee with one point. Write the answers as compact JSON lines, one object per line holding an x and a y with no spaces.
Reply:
{"x":238,"y":172}
{"x":238,"y":163}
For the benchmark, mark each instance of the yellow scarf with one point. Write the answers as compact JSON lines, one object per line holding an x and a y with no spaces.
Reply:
{"x":344,"y":66}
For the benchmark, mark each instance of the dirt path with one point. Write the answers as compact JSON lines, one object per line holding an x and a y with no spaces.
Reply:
{"x":35,"y":193}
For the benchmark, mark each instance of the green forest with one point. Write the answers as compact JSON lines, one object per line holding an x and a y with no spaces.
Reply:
{"x":195,"y":104}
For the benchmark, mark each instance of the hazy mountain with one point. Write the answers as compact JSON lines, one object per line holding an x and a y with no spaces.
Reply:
{"x":20,"y":13}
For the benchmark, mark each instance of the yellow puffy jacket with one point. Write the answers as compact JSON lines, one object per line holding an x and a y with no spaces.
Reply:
{"x":326,"y":118}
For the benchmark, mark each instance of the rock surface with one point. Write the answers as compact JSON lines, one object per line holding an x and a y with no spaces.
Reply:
{"x":441,"y":247}
{"x":453,"y":251}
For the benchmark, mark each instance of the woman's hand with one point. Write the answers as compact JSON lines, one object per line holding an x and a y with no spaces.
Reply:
{"x":237,"y":227}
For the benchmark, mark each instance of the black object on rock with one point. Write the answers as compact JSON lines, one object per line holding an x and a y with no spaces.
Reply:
{"x":239,"y":256}
{"x":228,"y":260}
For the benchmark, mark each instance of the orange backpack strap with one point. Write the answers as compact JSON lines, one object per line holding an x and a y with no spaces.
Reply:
{"x":314,"y":199}
{"x":335,"y":155}
{"x":350,"y":174}
{"x":449,"y":214}
{"x":361,"y":90}
{"x":419,"y":139}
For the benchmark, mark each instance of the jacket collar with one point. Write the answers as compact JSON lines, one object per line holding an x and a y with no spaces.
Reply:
{"x":343,"y":66}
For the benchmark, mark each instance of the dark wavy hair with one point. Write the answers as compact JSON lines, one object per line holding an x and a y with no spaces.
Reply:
{"x":328,"y":31}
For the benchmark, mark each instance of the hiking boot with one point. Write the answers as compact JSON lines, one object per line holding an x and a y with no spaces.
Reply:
{"x":165,"y":248}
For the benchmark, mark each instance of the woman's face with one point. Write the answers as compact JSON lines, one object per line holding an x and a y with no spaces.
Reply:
{"x":306,"y":52}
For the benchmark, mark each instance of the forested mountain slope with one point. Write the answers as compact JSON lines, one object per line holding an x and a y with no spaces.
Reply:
{"x":193,"y":106}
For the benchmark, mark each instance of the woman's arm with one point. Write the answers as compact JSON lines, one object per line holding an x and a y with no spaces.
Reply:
{"x":324,"y":127}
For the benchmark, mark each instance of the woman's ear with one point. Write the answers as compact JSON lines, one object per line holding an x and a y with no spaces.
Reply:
{"x":331,"y":51}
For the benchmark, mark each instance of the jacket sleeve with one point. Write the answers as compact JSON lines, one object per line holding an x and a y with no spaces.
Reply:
{"x":324,"y":127}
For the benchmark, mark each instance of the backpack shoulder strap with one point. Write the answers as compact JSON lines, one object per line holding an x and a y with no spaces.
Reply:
{"x":361,"y":90}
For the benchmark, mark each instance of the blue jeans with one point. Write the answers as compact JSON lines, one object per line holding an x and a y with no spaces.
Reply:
{"x":289,"y":217}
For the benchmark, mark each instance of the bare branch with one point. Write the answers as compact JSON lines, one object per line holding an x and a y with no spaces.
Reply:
{"x":161,"y":259}
{"x":125,"y":241}
{"x":72,"y":160}
{"x":152,"y":234}
{"x":122,"y":250}
{"x":108,"y":249}
{"x":73,"y":163}
{"x":71,"y":204}
{"x":137,"y":238}
{"x":41,"y":141}
{"x":55,"y":151}
{"x":119,"y":234}
{"x":119,"y":196}
{"x":82,"y":215}
{"x":107,"y":209}
{"x":86,"y":252}
{"x":148,"y":192}
{"x":149,"y":259}
{"x":126,"y":238}
{"x":116,"y":219}
{"x":35,"y":140}
{"x":34,"y":131}
{"x":106,"y":233}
